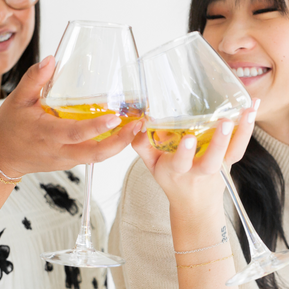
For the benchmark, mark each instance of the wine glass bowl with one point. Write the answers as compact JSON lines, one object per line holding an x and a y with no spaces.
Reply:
{"x":189,"y":89}
{"x":96,"y":73}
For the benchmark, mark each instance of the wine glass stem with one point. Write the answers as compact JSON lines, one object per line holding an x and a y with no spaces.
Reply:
{"x":257,"y":247}
{"x":83,"y":241}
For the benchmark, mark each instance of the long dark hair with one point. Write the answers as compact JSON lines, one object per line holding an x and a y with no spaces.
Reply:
{"x":30,"y":56}
{"x":258,"y":177}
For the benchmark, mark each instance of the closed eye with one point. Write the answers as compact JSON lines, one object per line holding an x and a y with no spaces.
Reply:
{"x":212,"y":17}
{"x":265,"y":10}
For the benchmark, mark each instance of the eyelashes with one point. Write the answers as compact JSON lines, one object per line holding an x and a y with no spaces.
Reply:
{"x":212,"y":17}
{"x":256,"y":12}
{"x":265,"y":10}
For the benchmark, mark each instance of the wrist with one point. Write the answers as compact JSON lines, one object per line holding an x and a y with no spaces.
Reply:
{"x":9,"y":174}
{"x":199,"y":229}
{"x":198,"y":210}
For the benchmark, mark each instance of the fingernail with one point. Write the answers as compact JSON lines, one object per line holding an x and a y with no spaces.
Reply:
{"x":113,"y":123}
{"x":257,"y":104}
{"x":144,"y":128}
{"x":252,"y":116}
{"x":137,"y":128}
{"x":189,"y":143}
{"x":227,"y":127}
{"x":44,"y":62}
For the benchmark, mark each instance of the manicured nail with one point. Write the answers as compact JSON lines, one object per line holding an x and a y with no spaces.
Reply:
{"x":144,"y":128}
{"x":257,"y":104}
{"x":137,"y":128}
{"x":227,"y":127}
{"x":189,"y":143}
{"x":44,"y":62}
{"x":113,"y":123}
{"x":252,"y":116}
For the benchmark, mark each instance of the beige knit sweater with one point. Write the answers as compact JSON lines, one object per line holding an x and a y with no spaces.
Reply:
{"x":141,"y":232}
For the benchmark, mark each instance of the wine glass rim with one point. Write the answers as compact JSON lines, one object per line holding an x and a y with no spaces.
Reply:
{"x":100,"y":24}
{"x":189,"y":37}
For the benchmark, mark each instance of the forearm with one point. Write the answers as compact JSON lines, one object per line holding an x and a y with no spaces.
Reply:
{"x":194,"y":231}
{"x":5,"y":191}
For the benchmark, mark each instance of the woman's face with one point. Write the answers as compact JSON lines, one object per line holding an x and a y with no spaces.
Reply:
{"x":16,"y":30}
{"x":253,"y":38}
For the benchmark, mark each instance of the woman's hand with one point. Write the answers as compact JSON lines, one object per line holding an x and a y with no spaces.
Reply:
{"x":195,"y":189}
{"x":191,"y":182}
{"x":33,"y":141}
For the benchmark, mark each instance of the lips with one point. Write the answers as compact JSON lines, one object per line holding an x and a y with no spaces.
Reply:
{"x":249,"y":72}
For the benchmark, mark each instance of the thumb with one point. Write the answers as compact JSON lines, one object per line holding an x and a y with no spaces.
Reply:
{"x":28,"y":89}
{"x":146,"y":151}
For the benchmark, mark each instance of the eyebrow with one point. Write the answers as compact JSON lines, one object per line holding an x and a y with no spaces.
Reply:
{"x":238,"y":1}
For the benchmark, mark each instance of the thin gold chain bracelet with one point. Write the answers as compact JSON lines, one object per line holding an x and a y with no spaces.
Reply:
{"x":203,"y":264}
{"x":10,"y":182}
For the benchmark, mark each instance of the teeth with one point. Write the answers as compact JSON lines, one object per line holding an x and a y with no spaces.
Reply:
{"x":249,"y":72}
{"x":240,"y":72}
{"x":5,"y":36}
{"x":254,"y":71}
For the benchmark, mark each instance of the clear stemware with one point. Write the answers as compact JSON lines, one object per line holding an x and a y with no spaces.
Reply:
{"x":189,"y":88}
{"x":96,"y":73}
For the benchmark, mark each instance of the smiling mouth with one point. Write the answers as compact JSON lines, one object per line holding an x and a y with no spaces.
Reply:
{"x":250,"y":71}
{"x":5,"y":36}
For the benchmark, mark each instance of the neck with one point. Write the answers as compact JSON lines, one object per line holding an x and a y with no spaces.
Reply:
{"x":279,"y":130}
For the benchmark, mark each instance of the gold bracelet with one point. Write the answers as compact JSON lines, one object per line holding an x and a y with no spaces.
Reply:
{"x":203,"y":264}
{"x":10,"y":182}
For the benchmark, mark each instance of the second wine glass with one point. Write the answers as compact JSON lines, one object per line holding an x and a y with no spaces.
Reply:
{"x":189,"y":88}
{"x":96,"y":73}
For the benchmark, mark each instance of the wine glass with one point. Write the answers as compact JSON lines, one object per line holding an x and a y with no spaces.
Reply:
{"x":96,"y":73}
{"x":189,"y":88}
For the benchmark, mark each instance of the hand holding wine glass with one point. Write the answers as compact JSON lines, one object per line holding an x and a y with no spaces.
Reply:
{"x":190,"y":90}
{"x":182,"y":176}
{"x":42,"y":142}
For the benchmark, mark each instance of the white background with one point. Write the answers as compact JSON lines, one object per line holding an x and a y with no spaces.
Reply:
{"x":154,"y":22}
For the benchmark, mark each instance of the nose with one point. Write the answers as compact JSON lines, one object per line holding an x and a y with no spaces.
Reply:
{"x":5,"y":11}
{"x":237,"y":38}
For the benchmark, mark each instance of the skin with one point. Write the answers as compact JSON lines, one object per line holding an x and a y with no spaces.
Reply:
{"x":244,"y":34}
{"x":244,"y":38}
{"x":32,"y":140}
{"x":21,"y":24}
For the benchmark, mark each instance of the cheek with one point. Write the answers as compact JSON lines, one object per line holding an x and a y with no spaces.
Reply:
{"x":27,"y":20}
{"x":212,"y":37}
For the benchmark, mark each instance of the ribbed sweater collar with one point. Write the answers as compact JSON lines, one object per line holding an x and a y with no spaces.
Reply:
{"x":277,"y":149}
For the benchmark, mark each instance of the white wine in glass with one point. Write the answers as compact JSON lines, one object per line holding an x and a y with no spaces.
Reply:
{"x":96,"y":73}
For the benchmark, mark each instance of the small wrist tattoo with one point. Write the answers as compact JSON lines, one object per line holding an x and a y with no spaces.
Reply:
{"x":224,"y":234}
